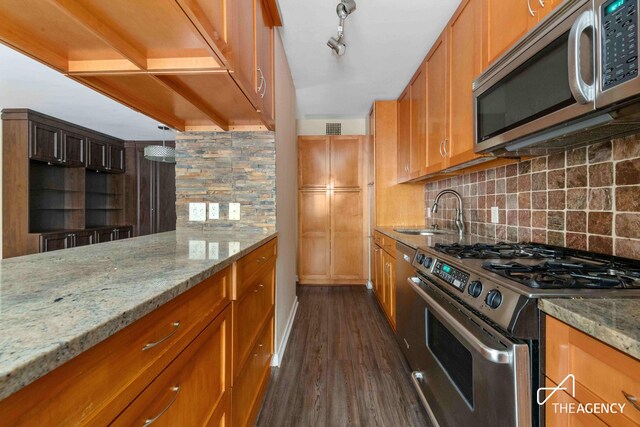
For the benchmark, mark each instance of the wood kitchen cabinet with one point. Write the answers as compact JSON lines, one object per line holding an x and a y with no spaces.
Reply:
{"x":150,"y":191}
{"x":105,"y":156}
{"x":602,"y":374}
{"x":507,"y":23}
{"x":404,"y":135}
{"x":44,"y":143}
{"x":385,"y":276}
{"x":418,"y":138}
{"x":73,"y":148}
{"x":464,"y":65}
{"x":437,"y":106}
{"x":331,"y":230}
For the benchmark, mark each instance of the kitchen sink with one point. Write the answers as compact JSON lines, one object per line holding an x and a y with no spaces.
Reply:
{"x":422,"y":232}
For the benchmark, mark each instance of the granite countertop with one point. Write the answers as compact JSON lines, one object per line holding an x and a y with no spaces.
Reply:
{"x":414,"y":241}
{"x":54,"y":306}
{"x":615,"y":321}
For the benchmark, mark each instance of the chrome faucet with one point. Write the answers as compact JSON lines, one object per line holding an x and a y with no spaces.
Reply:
{"x":459,"y":220}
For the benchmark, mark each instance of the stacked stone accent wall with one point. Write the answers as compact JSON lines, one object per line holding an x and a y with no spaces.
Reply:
{"x":227,"y":167}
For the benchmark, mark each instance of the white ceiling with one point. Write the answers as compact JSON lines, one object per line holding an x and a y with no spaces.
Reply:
{"x":25,"y":83}
{"x":386,"y":42}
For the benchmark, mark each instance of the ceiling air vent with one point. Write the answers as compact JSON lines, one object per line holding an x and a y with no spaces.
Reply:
{"x":334,"y":128}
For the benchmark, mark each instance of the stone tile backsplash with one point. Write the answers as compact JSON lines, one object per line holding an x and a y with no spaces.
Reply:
{"x":227,"y":167}
{"x":587,"y":198}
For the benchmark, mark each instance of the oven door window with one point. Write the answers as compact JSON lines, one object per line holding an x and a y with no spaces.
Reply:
{"x":454,"y":358}
{"x":536,"y":88}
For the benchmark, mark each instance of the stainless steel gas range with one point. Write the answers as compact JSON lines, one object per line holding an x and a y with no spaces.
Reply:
{"x":468,"y":322}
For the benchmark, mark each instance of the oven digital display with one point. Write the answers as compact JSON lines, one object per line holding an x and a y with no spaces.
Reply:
{"x":451,"y":275}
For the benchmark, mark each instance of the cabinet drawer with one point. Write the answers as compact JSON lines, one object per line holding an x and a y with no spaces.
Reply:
{"x":193,"y":386}
{"x":97,"y":385}
{"x":250,"y":386}
{"x":252,"y":264}
{"x":378,"y":238}
{"x":563,"y":419}
{"x":250,"y":313}
{"x":385,"y":242}
{"x":602,"y":373}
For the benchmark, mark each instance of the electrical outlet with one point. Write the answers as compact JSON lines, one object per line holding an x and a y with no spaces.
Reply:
{"x":234,"y":211}
{"x":495,"y":216}
{"x":214,"y":250}
{"x":234,"y":248}
{"x":214,"y":210}
{"x":197,"y":211}
{"x":197,"y":249}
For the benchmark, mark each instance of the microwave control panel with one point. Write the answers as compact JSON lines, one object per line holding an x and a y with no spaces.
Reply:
{"x":619,"y":29}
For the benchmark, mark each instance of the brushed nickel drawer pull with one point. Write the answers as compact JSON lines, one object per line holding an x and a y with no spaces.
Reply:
{"x":260,"y":286}
{"x":175,"y":325}
{"x":150,"y":421}
{"x":632,"y":399}
{"x":261,"y":259}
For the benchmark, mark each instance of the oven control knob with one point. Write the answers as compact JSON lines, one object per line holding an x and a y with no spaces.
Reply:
{"x":494,"y":299}
{"x":427,"y":262}
{"x":420,"y":258}
{"x":475,"y":288}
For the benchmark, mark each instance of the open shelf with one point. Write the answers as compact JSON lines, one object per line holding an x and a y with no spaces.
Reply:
{"x":104,"y":199}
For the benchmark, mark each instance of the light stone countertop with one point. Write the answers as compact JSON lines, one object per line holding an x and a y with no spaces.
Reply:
{"x":54,"y":306}
{"x":615,"y":321}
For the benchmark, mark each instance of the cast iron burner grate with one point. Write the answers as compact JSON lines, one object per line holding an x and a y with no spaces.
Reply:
{"x":500,"y":250}
{"x":562,"y":275}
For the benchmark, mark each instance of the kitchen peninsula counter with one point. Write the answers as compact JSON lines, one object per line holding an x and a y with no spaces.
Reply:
{"x":56,"y":305}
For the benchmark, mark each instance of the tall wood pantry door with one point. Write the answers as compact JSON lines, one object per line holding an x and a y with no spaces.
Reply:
{"x":331,"y":203}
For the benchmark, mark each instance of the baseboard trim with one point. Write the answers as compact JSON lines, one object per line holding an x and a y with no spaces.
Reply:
{"x":277,"y":357}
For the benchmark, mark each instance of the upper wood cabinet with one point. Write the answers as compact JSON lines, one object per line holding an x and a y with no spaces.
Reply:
{"x":73,"y":148}
{"x":404,"y":135}
{"x":313,"y":162}
{"x":506,"y":23}
{"x":437,"y":106}
{"x":418,"y":96}
{"x":465,"y":64}
{"x":160,"y":57}
{"x":44,"y":143}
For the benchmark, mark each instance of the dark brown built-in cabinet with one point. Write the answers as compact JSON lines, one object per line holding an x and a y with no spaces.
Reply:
{"x":150,"y":198}
{"x":63,"y":185}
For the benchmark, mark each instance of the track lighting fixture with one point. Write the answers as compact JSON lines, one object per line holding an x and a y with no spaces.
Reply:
{"x":344,"y":9}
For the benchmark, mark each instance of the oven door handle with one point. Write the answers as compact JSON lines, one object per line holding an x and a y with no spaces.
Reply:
{"x":492,"y":354}
{"x":581,"y":91}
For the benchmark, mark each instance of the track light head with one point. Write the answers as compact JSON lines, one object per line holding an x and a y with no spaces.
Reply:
{"x":345,"y":8}
{"x":337,"y":46}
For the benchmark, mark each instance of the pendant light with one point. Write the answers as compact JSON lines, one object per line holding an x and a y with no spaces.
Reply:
{"x":160,"y":153}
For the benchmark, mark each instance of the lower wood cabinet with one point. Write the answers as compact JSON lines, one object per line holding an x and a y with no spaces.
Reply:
{"x":72,"y":239}
{"x":384,"y":277}
{"x":602,"y":374}
{"x":189,"y":392}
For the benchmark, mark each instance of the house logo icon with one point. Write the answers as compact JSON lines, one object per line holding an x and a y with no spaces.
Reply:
{"x":568,"y":384}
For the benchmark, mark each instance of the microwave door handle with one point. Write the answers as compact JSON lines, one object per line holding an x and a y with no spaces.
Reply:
{"x":581,"y":91}
{"x":492,"y":354}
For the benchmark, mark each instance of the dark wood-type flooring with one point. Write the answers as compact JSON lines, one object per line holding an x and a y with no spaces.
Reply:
{"x":342,"y":367}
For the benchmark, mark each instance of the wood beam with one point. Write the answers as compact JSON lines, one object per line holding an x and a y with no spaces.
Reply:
{"x":138,"y":105}
{"x":186,"y":93}
{"x":101,"y":30}
{"x":193,"y":65}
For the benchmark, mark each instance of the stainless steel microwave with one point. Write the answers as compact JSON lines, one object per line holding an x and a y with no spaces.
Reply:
{"x":571,"y":81}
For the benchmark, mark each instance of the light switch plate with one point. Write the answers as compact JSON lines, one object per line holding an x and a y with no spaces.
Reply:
{"x":197,"y":249}
{"x":214,"y":250}
{"x":214,"y":210}
{"x":234,"y":248}
{"x":197,"y":211}
{"x":234,"y":211}
{"x":428,"y":212}
{"x":495,"y":217}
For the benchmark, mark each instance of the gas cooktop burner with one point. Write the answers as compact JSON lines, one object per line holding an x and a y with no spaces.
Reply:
{"x":562,"y":275}
{"x":499,"y":251}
